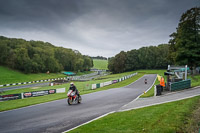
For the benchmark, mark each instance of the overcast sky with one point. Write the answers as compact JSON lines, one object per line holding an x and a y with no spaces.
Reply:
{"x":93,"y":27}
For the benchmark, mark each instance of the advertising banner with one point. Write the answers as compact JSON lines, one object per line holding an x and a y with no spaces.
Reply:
{"x":107,"y":83}
{"x":52,"y":91}
{"x":10,"y":97}
{"x":114,"y":81}
{"x":101,"y":84}
{"x":27,"y":94}
{"x":39,"y":93}
{"x":60,"y":90}
{"x":94,"y":86}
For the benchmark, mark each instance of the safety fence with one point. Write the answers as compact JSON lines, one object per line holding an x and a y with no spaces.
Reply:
{"x":99,"y":85}
{"x":37,"y":81}
{"x":184,"y":84}
{"x":86,"y":77}
{"x":30,"y":94}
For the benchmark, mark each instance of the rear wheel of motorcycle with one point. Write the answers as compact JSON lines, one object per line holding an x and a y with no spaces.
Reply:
{"x":79,"y":99}
{"x":69,"y":101}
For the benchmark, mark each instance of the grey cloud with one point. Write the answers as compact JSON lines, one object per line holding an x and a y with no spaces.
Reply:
{"x":94,"y":27}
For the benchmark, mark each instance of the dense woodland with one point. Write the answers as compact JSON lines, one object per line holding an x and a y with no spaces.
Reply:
{"x":38,"y":56}
{"x":183,"y":48}
{"x":153,"y":57}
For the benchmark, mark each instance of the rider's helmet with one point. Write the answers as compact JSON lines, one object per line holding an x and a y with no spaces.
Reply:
{"x":71,"y":84}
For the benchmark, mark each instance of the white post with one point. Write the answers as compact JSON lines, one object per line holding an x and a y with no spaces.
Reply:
{"x":22,"y":95}
{"x":185,"y":72}
{"x":168,"y":67}
{"x":155,"y":90}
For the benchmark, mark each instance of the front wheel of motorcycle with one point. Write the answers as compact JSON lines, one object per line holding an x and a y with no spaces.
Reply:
{"x":69,"y":101}
{"x":79,"y":99}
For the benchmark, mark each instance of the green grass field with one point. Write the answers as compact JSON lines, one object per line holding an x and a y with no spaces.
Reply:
{"x":100,"y":64}
{"x":174,"y":117}
{"x":12,"y":76}
{"x":195,"y":80}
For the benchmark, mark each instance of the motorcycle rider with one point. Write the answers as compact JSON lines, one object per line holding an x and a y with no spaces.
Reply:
{"x":145,"y":81}
{"x":73,"y":88}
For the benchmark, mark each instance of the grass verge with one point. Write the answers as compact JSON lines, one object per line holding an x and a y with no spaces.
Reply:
{"x":12,"y":76}
{"x":166,"y":118}
{"x":195,"y":80}
{"x":9,"y":76}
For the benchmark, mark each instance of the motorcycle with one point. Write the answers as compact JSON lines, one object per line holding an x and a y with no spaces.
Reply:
{"x":145,"y":81}
{"x":73,"y":98}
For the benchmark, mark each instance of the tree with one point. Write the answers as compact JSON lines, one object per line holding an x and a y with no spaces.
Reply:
{"x":111,"y":64}
{"x":119,"y":62}
{"x":185,"y":42}
{"x":132,"y":60}
{"x":88,"y":62}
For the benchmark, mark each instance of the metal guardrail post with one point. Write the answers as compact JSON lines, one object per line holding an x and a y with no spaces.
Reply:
{"x":185,"y":72}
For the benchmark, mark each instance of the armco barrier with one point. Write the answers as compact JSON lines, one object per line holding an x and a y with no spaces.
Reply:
{"x":94,"y":86}
{"x":180,"y":85}
{"x":31,"y":82}
{"x":107,"y":83}
{"x":99,"y":85}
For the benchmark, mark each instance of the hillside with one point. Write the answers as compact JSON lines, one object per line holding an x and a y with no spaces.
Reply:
{"x":100,"y":64}
{"x":40,"y":57}
{"x":11,"y":76}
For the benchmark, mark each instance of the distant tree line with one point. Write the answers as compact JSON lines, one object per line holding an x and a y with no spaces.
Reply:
{"x":99,"y":57}
{"x":38,"y":56}
{"x":183,"y":49}
{"x":152,"y":57}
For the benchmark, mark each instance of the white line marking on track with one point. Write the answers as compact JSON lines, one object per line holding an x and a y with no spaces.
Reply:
{"x":159,"y":103}
{"x":89,"y":121}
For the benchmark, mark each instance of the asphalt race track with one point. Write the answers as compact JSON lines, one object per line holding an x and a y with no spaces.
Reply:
{"x":58,"y":116}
